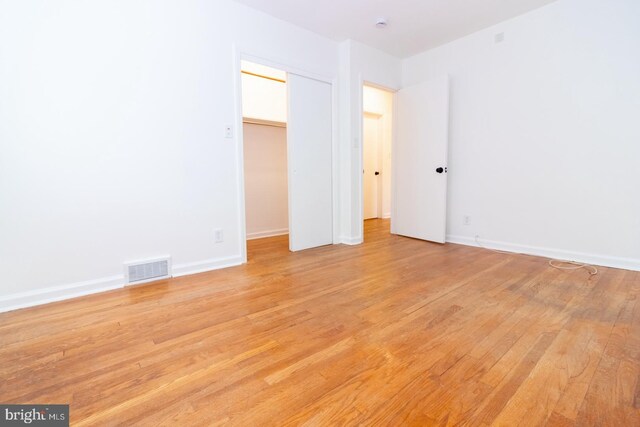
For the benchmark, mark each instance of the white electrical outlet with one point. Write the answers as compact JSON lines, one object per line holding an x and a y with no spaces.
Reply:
{"x":219,"y":235}
{"x":466,"y":220}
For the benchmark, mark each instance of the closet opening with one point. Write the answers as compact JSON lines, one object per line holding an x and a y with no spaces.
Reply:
{"x":264,"y":111}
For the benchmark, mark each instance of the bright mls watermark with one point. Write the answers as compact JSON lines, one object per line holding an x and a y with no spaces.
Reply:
{"x":34,"y":415}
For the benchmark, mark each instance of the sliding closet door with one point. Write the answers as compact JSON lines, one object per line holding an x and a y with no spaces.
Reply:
{"x":309,"y":135}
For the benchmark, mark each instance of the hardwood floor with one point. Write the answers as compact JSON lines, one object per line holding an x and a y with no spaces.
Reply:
{"x":392,"y":332}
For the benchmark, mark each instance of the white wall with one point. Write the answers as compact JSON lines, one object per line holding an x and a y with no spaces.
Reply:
{"x":358,"y":64}
{"x":380,"y":102}
{"x":112,"y":146}
{"x":265,"y":180}
{"x":544,"y":134}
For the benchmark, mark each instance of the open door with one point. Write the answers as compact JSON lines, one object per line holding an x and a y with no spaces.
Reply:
{"x":309,"y":136}
{"x":420,"y":153}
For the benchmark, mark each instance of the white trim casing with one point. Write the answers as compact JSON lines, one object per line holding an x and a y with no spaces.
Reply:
{"x":335,"y":157}
{"x":351,"y":240}
{"x":242,"y":220}
{"x":359,"y":136}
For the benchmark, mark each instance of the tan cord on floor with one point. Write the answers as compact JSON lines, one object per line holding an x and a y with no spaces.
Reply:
{"x":573,"y":266}
{"x":555,"y":263}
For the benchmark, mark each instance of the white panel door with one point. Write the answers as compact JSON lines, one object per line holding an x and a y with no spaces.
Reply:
{"x":371,"y":167}
{"x":420,"y":154}
{"x":309,"y":140}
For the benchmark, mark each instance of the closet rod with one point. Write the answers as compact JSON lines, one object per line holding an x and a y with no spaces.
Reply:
{"x":264,"y":122}
{"x":264,"y":77}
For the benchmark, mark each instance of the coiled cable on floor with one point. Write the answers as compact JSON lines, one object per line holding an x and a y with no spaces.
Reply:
{"x":559,"y":264}
{"x":572,"y":265}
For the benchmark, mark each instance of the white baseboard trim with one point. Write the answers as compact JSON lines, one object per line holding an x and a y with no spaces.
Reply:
{"x":80,"y":289}
{"x":59,"y":293}
{"x":180,"y":270}
{"x":351,"y":240}
{"x":601,"y":260}
{"x":268,"y":233}
{"x":386,"y":215}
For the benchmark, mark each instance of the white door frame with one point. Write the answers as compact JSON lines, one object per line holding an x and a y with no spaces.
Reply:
{"x":360,"y":183}
{"x":243,"y":54}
